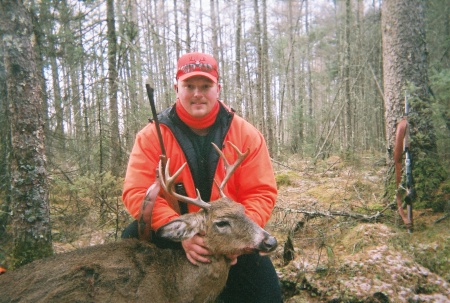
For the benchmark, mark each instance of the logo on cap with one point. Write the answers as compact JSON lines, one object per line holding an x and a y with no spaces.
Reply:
{"x":197,"y":64}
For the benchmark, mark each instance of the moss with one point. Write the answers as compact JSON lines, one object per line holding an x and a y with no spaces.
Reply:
{"x":325,"y":193}
{"x":285,"y":179}
{"x":27,"y":250}
{"x":376,"y":207}
{"x":428,"y":175}
{"x":428,"y":169}
{"x":442,"y":203}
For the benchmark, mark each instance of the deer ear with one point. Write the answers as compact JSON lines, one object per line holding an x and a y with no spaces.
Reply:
{"x":180,"y":229}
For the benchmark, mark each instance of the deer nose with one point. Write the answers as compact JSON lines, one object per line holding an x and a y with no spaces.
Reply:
{"x":269,"y":244}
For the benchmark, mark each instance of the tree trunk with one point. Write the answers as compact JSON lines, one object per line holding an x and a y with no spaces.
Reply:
{"x":57,"y":98}
{"x":309,"y":132}
{"x":238,"y":101}
{"x":348,"y":136}
{"x":405,"y":71}
{"x":5,"y":148}
{"x":177,"y":31}
{"x":269,"y":108}
{"x":259,"y":72}
{"x":115,"y":149}
{"x":86,"y":131}
{"x":214,"y":29}
{"x":29,"y":188}
{"x":187,"y":14}
{"x":135,"y":82}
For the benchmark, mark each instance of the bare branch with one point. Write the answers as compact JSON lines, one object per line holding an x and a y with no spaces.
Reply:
{"x":331,"y":214}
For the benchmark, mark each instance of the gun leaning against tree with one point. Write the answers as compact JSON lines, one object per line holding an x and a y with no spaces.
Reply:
{"x":402,"y":146}
{"x":145,"y":214}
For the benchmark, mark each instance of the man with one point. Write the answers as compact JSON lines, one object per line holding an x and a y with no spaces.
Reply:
{"x":188,"y":127}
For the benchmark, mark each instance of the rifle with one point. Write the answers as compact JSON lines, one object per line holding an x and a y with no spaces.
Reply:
{"x":151,"y":99}
{"x":402,"y":146}
{"x":145,"y":215}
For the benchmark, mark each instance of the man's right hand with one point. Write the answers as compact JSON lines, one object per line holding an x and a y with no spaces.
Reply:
{"x":196,"y":250}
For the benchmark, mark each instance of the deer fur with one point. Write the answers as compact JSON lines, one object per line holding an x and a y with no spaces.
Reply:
{"x":136,"y":271}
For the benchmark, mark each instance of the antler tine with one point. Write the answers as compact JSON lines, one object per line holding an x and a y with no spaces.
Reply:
{"x":167,"y":183}
{"x":230,"y":168}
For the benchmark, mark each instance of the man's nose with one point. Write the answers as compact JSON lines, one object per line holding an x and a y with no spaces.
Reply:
{"x":197,"y":91}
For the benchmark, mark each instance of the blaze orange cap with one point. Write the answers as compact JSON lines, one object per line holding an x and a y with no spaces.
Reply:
{"x":197,"y":64}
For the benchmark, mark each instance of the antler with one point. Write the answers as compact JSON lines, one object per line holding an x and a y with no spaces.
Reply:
{"x":230,"y":168}
{"x":167,"y":182}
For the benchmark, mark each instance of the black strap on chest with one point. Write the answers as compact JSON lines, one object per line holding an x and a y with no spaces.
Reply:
{"x":200,"y":155}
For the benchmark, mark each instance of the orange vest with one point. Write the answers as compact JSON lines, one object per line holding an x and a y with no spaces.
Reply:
{"x":252,"y":184}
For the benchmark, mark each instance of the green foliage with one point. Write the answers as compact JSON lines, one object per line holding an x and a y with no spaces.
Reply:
{"x":296,"y":124}
{"x":86,"y":204}
{"x":442,"y":203}
{"x":27,"y":250}
{"x":440,"y":83}
{"x":428,"y":171}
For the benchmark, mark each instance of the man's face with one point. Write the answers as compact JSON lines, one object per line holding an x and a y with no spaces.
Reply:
{"x":198,"y":95}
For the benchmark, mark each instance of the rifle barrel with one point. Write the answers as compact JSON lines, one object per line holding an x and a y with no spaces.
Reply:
{"x":151,"y":99}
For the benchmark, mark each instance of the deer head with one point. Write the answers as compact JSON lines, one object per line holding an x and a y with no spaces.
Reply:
{"x":224,"y":224}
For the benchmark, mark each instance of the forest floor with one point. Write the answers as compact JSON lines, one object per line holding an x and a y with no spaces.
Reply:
{"x":339,"y":241}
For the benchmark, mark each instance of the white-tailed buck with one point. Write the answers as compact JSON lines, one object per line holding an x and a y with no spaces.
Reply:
{"x":137,"y":271}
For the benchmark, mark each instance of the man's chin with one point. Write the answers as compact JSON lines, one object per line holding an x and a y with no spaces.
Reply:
{"x":198,"y":113}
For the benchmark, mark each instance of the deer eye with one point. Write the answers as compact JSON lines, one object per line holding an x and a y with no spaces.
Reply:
{"x":222,"y":224}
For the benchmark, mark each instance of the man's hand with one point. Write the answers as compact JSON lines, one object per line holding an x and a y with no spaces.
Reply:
{"x":196,"y":250}
{"x":233,"y":258}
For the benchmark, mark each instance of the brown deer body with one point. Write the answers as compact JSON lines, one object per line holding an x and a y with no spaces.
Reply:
{"x":137,"y":271}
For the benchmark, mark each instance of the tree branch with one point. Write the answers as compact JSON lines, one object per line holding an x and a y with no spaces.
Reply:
{"x":331,"y":214}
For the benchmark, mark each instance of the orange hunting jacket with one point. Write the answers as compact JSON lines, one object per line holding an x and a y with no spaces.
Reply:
{"x":252,"y":184}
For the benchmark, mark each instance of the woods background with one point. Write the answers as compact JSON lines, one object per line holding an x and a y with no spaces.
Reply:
{"x":308,"y":74}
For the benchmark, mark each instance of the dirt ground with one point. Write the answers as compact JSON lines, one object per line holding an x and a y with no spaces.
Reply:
{"x":340,"y":243}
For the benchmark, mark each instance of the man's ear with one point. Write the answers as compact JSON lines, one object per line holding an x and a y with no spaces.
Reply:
{"x":175,"y":86}
{"x":219,"y":87}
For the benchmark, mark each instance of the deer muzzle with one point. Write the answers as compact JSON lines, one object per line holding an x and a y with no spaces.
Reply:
{"x":267,"y":245}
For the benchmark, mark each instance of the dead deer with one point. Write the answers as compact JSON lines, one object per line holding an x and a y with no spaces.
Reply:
{"x":137,"y":271}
